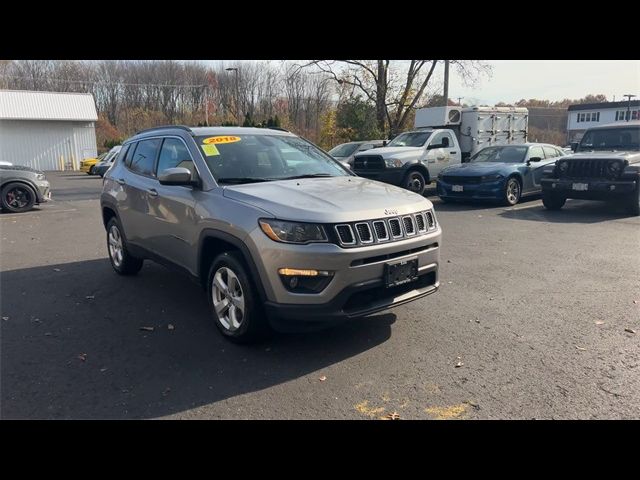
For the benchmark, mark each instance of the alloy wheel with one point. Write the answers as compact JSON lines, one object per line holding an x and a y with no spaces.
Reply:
{"x":228,"y":298}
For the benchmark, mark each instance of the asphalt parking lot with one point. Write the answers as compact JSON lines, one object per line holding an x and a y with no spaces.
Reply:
{"x":533,"y":309}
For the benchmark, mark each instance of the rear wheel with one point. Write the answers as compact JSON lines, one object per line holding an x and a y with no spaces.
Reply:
{"x":91,"y":169}
{"x":414,"y":180}
{"x":121,"y":260}
{"x":18,"y":197}
{"x":235,"y":306}
{"x":553,"y":201}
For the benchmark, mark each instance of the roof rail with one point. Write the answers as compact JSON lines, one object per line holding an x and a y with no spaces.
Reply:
{"x":164,"y":127}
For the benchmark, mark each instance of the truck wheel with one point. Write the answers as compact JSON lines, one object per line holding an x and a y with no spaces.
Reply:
{"x":633,"y":203}
{"x":552,"y":201}
{"x":18,"y":197}
{"x":512,"y":191}
{"x":414,"y":181}
{"x":121,"y":260}
{"x":235,"y":305}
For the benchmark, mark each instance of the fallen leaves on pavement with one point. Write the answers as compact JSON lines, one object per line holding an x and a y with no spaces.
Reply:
{"x":83,"y":357}
{"x":629,"y":330}
{"x":323,"y":378}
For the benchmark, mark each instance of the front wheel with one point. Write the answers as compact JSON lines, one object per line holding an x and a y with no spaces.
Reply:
{"x":414,"y":180}
{"x":633,"y":203}
{"x":512,"y":192}
{"x":233,"y":299}
{"x":18,"y":197}
{"x":553,"y":202}
{"x":91,"y":170}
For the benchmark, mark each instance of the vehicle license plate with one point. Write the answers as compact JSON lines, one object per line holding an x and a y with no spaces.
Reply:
{"x":401,"y":272}
{"x":581,"y":186}
{"x":457,"y":188}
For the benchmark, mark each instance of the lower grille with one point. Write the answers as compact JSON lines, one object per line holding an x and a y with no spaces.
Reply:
{"x":368,"y":162}
{"x":461,"y":180}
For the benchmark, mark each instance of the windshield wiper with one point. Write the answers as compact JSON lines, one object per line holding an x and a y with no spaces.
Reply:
{"x":238,"y":180}
{"x":308,"y":175}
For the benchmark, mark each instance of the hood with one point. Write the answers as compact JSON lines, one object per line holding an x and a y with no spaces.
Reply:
{"x":631,"y":156}
{"x":394,"y":152}
{"x":328,"y":200}
{"x":21,"y":168}
{"x":478,"y":168}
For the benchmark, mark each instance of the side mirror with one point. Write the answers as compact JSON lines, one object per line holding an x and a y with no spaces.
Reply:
{"x":176,"y":176}
{"x":574,"y":146}
{"x":384,"y":143}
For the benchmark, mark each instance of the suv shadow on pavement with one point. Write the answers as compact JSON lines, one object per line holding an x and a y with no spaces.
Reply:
{"x":72,"y":346}
{"x":574,"y":211}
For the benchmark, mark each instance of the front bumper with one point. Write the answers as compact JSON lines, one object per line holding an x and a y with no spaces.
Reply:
{"x":596,"y":189}
{"x":355,"y":271}
{"x":393,"y":176}
{"x":472,"y":191}
{"x":43,"y":191}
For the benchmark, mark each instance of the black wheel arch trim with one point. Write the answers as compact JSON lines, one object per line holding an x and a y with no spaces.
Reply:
{"x":241,"y":246}
{"x":417,"y":165}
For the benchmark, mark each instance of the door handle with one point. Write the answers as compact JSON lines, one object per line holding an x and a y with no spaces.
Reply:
{"x":153,"y":192}
{"x":453,"y":153}
{"x":120,"y":181}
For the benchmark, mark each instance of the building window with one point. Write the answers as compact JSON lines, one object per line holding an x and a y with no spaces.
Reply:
{"x":597,"y":114}
{"x":581,"y":117}
{"x":588,"y":119}
{"x":634,"y":115}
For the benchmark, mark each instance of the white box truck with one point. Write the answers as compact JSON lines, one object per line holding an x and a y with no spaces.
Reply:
{"x":443,"y":136}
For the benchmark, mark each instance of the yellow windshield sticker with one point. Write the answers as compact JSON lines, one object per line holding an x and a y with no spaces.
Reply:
{"x":210,"y":150}
{"x":221,"y":139}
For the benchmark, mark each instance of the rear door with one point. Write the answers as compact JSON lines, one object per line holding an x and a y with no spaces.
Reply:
{"x":139,"y":184}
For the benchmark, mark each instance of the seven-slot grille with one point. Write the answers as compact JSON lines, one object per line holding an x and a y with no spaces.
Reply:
{"x":385,"y":230}
{"x":587,"y":168}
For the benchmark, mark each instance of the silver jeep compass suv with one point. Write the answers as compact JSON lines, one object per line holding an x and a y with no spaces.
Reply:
{"x":276,"y":230}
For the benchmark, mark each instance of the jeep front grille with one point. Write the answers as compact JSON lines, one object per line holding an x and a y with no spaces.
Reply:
{"x":589,"y":168}
{"x":345,"y":235}
{"x":370,"y":232}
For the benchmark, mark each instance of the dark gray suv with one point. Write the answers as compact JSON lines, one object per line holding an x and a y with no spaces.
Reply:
{"x":273,"y":228}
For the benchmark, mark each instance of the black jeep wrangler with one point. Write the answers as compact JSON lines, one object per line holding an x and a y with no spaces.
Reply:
{"x":605,"y":166}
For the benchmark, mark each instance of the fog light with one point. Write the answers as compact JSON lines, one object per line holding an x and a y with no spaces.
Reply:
{"x":612,"y":187}
{"x":293,"y":283}
{"x":553,"y":185}
{"x":305,"y":280}
{"x":302,"y":272}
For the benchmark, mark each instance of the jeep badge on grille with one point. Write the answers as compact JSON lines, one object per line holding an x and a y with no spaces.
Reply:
{"x":390,"y":211}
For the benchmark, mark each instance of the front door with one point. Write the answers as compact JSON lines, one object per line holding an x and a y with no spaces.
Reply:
{"x":439,"y":158}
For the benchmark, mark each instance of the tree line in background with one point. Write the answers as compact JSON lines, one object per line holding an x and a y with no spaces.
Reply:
{"x":328,"y":102}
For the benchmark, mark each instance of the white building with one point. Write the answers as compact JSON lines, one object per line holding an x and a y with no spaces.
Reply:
{"x":587,"y":115}
{"x":47,"y":130}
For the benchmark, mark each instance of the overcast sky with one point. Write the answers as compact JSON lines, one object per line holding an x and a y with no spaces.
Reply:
{"x":513,"y":80}
{"x":552,"y":80}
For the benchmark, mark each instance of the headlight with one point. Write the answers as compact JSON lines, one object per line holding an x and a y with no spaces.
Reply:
{"x":40,"y":176}
{"x":614,"y":168}
{"x":491,"y":178}
{"x":563,"y":166}
{"x":393,"y":163}
{"x":292,"y":232}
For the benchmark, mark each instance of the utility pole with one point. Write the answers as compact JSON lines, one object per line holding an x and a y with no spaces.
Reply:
{"x":460,"y":100}
{"x":206,"y":105}
{"x":629,"y":96}
{"x":446,"y":83}
{"x":235,"y":69}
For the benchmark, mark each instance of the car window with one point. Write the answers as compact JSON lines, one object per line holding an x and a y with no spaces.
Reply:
{"x":248,"y":158}
{"x":144,"y":158}
{"x":410,"y":139}
{"x":506,"y":154}
{"x":366,"y":146}
{"x":174,"y":153}
{"x":122,"y":153}
{"x":550,"y":152}
{"x":343,"y":150}
{"x":130,"y":152}
{"x":536,"y":152}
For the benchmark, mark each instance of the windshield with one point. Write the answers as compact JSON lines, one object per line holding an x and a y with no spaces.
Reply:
{"x":259,"y":158}
{"x":501,"y":154}
{"x":344,"y":150}
{"x":611,"y":139}
{"x":410,"y":139}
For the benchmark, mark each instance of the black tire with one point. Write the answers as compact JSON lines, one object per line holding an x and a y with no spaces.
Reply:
{"x":512,"y":192}
{"x":91,"y":169}
{"x":126,"y":264}
{"x":253,"y":325}
{"x":552,"y":201}
{"x":633,"y":202}
{"x":18,"y":197}
{"x":414,"y":180}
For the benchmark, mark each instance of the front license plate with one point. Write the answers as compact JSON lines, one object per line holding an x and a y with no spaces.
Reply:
{"x":457,"y":188}
{"x":401,"y":272}
{"x":581,"y":187}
